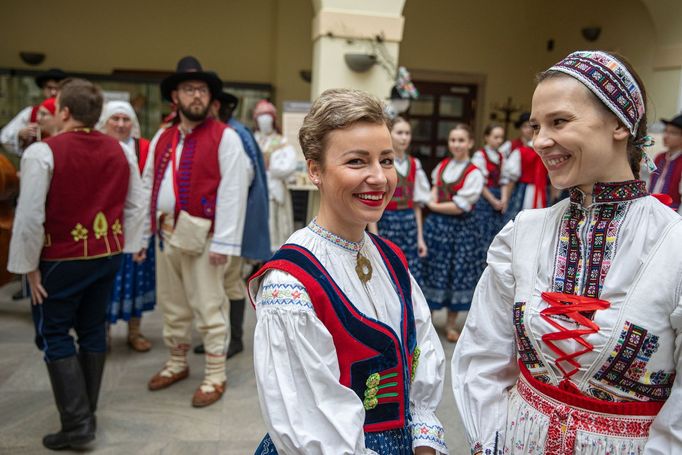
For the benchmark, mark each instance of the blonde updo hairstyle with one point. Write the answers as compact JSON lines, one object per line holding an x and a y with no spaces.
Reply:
{"x":337,"y":109}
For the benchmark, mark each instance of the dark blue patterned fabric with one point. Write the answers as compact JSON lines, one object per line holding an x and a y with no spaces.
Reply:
{"x":451,"y":269}
{"x":391,"y":442}
{"x":134,"y":288}
{"x":400,"y":227}
{"x":489,"y":222}
{"x":515,"y":202}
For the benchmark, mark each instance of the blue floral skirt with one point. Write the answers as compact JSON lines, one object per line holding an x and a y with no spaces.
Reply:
{"x":390,"y":442}
{"x":489,"y":222}
{"x":134,"y":288}
{"x":400,"y":227}
{"x":451,"y":268}
{"x":515,"y":202}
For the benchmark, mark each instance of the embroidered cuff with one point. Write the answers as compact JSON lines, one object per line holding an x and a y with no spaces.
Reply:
{"x":427,"y":431}
{"x":479,"y":448}
{"x":229,"y":249}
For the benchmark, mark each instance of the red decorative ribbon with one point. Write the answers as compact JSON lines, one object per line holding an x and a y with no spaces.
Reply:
{"x":573,"y":307}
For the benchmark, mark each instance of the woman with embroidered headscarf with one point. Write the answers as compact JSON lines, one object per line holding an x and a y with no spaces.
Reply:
{"x":572,"y":344}
{"x":135,"y":286}
{"x":280,"y":162}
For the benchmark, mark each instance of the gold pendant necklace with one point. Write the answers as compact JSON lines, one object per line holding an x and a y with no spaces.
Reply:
{"x":363,"y":268}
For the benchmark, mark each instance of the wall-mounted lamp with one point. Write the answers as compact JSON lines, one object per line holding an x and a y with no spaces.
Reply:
{"x":591,"y":33}
{"x":32,"y":58}
{"x":399,"y":104}
{"x":360,"y":62}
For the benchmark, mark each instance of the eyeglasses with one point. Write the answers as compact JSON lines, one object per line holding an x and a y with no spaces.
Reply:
{"x":192,"y":89}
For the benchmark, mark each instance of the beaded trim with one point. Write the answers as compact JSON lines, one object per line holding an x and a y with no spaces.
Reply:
{"x":609,"y":192}
{"x":609,"y":80}
{"x":335,"y":239}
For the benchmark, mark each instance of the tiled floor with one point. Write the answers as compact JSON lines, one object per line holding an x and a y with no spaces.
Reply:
{"x":133,"y":420}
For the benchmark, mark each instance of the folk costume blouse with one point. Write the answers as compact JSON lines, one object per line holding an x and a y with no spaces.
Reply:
{"x":470,"y":192}
{"x":422,"y":189}
{"x":511,"y":165}
{"x":624,"y":249}
{"x":306,"y":409}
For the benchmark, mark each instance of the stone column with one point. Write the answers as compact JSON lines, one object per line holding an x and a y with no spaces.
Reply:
{"x":341,"y":27}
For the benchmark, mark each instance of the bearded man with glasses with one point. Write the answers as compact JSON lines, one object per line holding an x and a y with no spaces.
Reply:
{"x":198,"y":175}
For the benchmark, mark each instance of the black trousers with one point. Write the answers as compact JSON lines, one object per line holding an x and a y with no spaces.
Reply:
{"x":78,"y":293}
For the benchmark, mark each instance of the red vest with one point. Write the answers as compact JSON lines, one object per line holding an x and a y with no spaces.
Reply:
{"x":533,"y":172}
{"x":374,"y":361}
{"x":403,"y":196}
{"x":447,"y":191}
{"x":84,"y":206}
{"x":142,"y":151}
{"x":494,"y":170}
{"x":198,"y":173}
{"x":672,"y":178}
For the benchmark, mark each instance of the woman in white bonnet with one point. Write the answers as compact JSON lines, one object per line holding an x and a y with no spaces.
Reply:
{"x":135,"y":286}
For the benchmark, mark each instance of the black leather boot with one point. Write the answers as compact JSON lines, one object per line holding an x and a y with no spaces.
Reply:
{"x":71,"y":397}
{"x":92,"y":364}
{"x":237,"y":327}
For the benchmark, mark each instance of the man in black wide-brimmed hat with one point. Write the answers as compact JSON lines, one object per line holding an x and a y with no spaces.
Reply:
{"x":22,"y":130}
{"x":198,"y":175}
{"x":667,"y":179}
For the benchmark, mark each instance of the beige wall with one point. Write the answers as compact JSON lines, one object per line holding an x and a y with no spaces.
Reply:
{"x":269,"y":41}
{"x":506,"y":41}
{"x":245,"y":41}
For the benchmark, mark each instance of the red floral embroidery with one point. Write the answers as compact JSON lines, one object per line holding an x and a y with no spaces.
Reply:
{"x":565,"y":422}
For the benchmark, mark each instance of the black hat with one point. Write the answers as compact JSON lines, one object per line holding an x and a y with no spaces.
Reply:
{"x":677,"y":121}
{"x":54,"y":74}
{"x":189,"y":69}
{"x":523,"y":118}
{"x":227,"y":99}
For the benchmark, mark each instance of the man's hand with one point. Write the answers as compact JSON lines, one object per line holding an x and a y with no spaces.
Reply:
{"x":217,"y":259}
{"x":38,"y":292}
{"x":29,"y":132}
{"x":140,"y":256}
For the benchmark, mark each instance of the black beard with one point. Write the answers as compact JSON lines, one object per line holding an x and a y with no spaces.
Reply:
{"x":192,"y":116}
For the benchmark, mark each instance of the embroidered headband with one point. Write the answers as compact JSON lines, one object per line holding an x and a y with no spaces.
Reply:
{"x":610,"y":81}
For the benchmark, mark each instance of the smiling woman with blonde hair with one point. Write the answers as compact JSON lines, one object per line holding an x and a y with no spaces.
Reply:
{"x":572,"y":344}
{"x":342,"y":325}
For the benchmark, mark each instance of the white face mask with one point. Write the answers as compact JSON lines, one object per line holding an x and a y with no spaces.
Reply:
{"x":265,"y":123}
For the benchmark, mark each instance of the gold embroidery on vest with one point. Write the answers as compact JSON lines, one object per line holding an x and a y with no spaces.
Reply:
{"x":80,"y":233}
{"x":48,"y":240}
{"x":100,"y":226}
{"x":117,"y":229}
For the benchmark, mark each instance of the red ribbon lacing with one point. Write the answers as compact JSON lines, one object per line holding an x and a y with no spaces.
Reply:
{"x":573,"y":307}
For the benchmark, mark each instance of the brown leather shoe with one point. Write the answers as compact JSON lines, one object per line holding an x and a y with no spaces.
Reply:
{"x":139,"y":343}
{"x":202,"y":399}
{"x":161,"y":381}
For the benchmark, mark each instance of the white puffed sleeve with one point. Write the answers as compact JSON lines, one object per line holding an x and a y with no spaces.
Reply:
{"x":283,"y":162}
{"x":511,"y":168}
{"x":665,"y":433}
{"x":479,"y":161}
{"x":427,"y":386}
{"x":306,"y":409}
{"x":484,"y":364}
{"x":282,"y":165}
{"x":470,"y":192}
{"x":9,"y":135}
{"x":422,"y":189}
